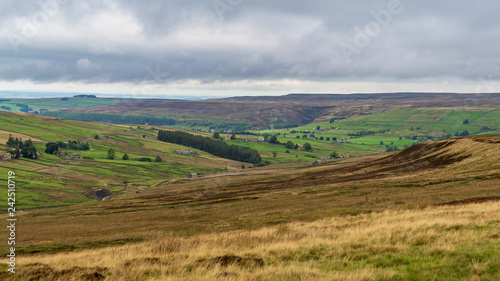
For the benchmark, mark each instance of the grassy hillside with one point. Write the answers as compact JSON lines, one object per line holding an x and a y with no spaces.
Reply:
{"x":54,"y":181}
{"x":396,"y":128}
{"x":399,"y":217}
{"x":369,"y":123}
{"x":45,"y":177}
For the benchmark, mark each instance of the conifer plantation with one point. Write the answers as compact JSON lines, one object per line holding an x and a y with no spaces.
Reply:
{"x":215,"y":147}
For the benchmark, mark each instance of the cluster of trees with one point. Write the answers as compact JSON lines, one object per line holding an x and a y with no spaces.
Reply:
{"x":462,"y":134}
{"x":53,"y":147}
{"x":19,"y":148}
{"x":273,"y":139}
{"x":485,"y":129}
{"x":219,"y":126}
{"x":24,"y":107}
{"x":390,"y":148}
{"x":86,"y":96}
{"x":285,"y":125}
{"x":362,"y":133}
{"x":112,"y":118}
{"x":307,"y":146}
{"x":318,"y":138}
{"x":444,"y":136}
{"x":6,"y":107}
{"x":336,"y":119}
{"x":289,"y":144}
{"x":112,"y":156}
{"x":215,"y":147}
{"x":246,"y":133}
{"x":217,"y":136}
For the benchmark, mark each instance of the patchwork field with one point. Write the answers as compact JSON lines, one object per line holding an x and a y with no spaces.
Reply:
{"x":54,"y":181}
{"x":417,"y":198}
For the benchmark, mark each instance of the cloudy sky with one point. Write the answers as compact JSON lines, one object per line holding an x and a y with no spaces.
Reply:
{"x":248,"y":47}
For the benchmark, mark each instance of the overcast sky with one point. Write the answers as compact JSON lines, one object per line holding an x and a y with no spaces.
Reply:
{"x":248,"y":47}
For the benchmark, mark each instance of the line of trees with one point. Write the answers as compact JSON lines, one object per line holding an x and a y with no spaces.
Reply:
{"x":112,"y":118}
{"x":215,"y":147}
{"x":219,"y":126}
{"x":285,"y":125}
{"x":336,"y":119}
{"x":362,"y":133}
{"x":24,"y":149}
{"x":53,"y":147}
{"x":86,"y":96}
{"x":289,"y":144}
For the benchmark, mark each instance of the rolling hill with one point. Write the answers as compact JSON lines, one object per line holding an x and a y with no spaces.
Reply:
{"x":212,"y":111}
{"x":289,"y":109}
{"x":403,"y":209}
{"x":53,"y":181}
{"x":380,"y":215}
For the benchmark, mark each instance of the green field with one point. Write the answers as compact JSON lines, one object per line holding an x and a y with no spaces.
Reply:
{"x":387,"y":131}
{"x":57,"y":103}
{"x":411,"y":125}
{"x":53,"y":181}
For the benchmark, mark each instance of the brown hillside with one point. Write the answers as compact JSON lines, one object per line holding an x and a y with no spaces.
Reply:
{"x":288,"y":109}
{"x":255,"y":114}
{"x":453,"y":171}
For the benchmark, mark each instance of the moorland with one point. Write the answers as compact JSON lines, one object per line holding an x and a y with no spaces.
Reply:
{"x":394,"y":187}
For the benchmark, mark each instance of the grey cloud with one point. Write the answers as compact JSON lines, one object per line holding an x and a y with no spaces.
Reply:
{"x":255,"y":40}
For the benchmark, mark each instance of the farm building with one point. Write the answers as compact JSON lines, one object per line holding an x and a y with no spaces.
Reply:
{"x":193,"y":176}
{"x":182,"y":151}
{"x":5,"y":156}
{"x":317,"y":163}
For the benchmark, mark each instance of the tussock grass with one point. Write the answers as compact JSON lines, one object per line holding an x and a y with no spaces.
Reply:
{"x":435,"y":243}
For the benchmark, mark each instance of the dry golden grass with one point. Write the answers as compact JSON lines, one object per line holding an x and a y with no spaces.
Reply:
{"x":4,"y":136}
{"x":390,"y":245}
